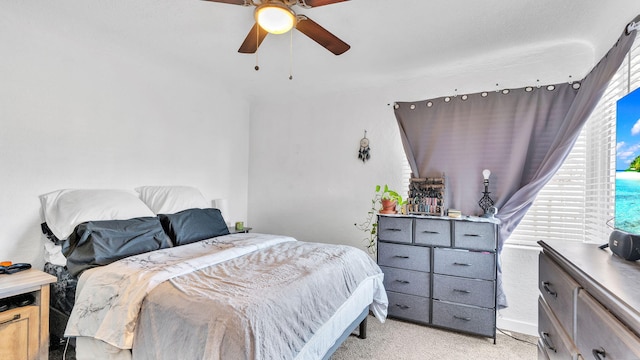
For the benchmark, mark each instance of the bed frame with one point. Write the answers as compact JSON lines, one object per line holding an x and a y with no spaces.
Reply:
{"x":361,"y":322}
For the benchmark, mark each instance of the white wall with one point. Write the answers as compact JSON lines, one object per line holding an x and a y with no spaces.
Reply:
{"x":77,"y":114}
{"x":305,"y":176}
{"x":306,"y":180}
{"x":520,"y":280}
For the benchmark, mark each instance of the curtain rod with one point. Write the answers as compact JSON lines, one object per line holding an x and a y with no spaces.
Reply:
{"x":574,"y":84}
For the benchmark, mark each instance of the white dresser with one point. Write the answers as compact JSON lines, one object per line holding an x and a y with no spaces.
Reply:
{"x":440,"y":271}
{"x":589,"y":307}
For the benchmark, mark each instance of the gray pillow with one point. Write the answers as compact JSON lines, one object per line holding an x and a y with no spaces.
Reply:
{"x":193,"y":225}
{"x":97,"y":243}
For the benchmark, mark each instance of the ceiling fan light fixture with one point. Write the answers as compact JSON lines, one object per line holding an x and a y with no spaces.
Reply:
{"x":275,"y":18}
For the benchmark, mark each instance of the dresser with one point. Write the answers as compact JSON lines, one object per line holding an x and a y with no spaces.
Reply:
{"x":589,"y":304}
{"x":24,"y":330}
{"x":440,"y":271}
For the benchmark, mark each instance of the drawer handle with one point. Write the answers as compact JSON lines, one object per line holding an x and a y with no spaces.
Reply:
{"x":597,"y":352}
{"x":15,"y":317}
{"x":403,"y":307}
{"x":547,"y":342}
{"x":545,"y":285}
{"x":401,"y":256}
{"x":394,"y":229}
{"x":462,"y":291}
{"x":461,"y":318}
{"x":430,"y":232}
{"x":461,"y":264}
{"x":473,"y":235}
{"x":402,"y":281}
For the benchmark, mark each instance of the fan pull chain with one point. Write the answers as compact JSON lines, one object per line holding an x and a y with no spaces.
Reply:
{"x":257,"y":45}
{"x":291,"y":54}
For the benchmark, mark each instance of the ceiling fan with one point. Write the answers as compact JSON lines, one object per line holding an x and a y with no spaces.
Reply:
{"x":277,"y":17}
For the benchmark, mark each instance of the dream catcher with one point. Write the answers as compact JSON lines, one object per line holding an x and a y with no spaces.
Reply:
{"x":364,"y":153}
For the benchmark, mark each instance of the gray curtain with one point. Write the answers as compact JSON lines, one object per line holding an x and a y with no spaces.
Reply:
{"x":522,"y":136}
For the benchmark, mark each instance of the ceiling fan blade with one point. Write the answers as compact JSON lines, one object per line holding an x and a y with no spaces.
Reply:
{"x":234,"y":2}
{"x":316,"y":3}
{"x":320,"y":35}
{"x":253,"y":41}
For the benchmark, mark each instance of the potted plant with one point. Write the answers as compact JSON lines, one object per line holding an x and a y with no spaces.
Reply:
{"x":384,"y":201}
{"x":389,"y":200}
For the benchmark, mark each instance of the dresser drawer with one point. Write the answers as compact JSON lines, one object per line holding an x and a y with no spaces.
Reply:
{"x":555,"y":342}
{"x":474,"y":235}
{"x":464,"y":263}
{"x":409,"y":307}
{"x":464,"y":318}
{"x":597,"y":330}
{"x":396,"y":229}
{"x":542,"y":354}
{"x":404,"y":256}
{"x":406,"y":281}
{"x":464,"y":291}
{"x":433,"y":232}
{"x":559,"y":291}
{"x":19,"y":329}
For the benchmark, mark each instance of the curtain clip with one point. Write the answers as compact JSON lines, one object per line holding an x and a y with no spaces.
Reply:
{"x":631,"y":27}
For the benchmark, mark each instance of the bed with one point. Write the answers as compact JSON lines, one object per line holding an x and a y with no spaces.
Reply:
{"x":155,"y":274}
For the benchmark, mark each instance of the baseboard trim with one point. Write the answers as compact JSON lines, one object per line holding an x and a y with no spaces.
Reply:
{"x":517,"y":326}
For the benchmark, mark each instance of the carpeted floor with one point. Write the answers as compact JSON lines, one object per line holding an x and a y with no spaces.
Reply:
{"x":398,"y":340}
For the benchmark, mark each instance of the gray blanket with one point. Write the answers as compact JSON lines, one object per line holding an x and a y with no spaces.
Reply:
{"x":263,"y":305}
{"x":238,"y":296}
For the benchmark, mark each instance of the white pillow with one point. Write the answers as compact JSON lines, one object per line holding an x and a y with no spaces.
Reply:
{"x":171,"y":199}
{"x":53,"y":253}
{"x":63,"y":210}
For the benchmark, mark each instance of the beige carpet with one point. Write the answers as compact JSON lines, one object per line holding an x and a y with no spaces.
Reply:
{"x":397,"y":340}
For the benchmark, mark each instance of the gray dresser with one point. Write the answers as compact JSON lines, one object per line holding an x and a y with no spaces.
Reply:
{"x":589,"y":307}
{"x":440,"y":271}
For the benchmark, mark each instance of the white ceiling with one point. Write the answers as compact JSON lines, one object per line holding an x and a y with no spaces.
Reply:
{"x":455,"y":46}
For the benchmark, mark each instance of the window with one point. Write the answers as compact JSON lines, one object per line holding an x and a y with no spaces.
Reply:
{"x":578,"y":203}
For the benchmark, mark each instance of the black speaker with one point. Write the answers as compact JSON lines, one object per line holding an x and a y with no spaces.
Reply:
{"x":625,"y":245}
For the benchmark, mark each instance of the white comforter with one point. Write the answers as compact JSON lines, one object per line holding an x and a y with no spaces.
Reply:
{"x":250,"y":296}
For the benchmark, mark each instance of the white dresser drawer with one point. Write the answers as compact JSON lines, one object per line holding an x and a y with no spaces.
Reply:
{"x":558,"y":290}
{"x":395,"y":229}
{"x":599,"y":335}
{"x":555,"y":342}
{"x":404,"y":256}
{"x":474,"y":235}
{"x":433,"y":232}
{"x":406,"y":281}
{"x":464,"y":263}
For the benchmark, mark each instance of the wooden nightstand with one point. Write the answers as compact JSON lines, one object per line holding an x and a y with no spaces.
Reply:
{"x":232,"y":230}
{"x":24,"y":331}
